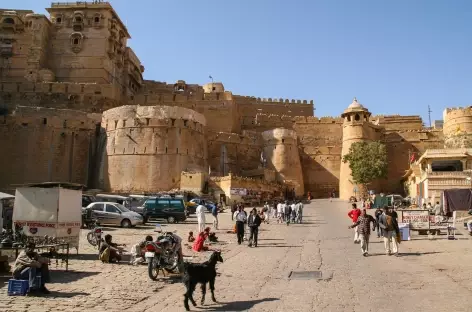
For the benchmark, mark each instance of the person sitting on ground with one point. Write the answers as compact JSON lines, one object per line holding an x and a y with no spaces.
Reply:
{"x":138,"y":250}
{"x":109,"y":251}
{"x":199,"y":243}
{"x":190,"y":238}
{"x":28,"y":265}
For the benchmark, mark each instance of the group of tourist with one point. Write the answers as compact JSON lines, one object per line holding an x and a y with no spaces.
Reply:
{"x":386,"y":223}
{"x":287,"y":212}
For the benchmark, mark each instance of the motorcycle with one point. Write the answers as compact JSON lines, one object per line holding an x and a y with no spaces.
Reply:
{"x":161,"y":255}
{"x":94,"y":237}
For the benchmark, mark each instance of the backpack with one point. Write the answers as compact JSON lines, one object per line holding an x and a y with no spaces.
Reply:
{"x":105,"y":255}
{"x":389,"y":221}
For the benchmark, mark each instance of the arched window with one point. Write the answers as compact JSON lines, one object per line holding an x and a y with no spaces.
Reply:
{"x":78,"y":19}
{"x":97,"y":19}
{"x":75,"y":41}
{"x":357,"y":117}
{"x":348,"y":117}
{"x":9,"y":20}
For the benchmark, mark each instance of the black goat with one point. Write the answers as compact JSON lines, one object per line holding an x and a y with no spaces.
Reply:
{"x":200,"y":273}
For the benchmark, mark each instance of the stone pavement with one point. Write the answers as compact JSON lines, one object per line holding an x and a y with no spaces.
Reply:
{"x":429,"y":275}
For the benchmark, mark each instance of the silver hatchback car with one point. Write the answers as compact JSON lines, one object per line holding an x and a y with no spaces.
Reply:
{"x":114,"y":214}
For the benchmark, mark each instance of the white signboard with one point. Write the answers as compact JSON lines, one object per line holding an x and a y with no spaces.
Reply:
{"x":418,"y":219}
{"x":238,"y":191}
{"x":55,"y":212}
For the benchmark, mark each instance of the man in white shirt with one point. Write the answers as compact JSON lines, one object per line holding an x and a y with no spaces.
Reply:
{"x":280,"y":212}
{"x":240,"y":217}
{"x":267,"y":210}
{"x":200,"y":212}
{"x":299,"y":211}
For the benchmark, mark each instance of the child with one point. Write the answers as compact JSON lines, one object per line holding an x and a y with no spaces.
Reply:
{"x":190,"y":239}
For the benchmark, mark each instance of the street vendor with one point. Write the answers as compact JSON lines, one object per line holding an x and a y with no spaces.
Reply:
{"x":28,"y":265}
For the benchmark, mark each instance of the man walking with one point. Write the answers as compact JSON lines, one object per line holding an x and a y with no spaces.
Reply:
{"x":287,"y":212}
{"x":253,"y":222}
{"x":363,"y":229}
{"x":354,"y":215}
{"x":240,"y":217}
{"x":280,"y":212}
{"x":214,"y":213}
{"x":389,"y":226}
{"x":267,"y":211}
{"x":378,"y":213}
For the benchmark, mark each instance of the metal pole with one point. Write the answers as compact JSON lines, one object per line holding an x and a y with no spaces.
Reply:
{"x":429,"y":115}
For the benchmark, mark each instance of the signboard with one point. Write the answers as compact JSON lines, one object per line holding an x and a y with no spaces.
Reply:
{"x":418,"y":219}
{"x":238,"y":191}
{"x":55,"y":212}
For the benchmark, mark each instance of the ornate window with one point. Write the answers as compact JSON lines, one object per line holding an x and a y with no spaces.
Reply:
{"x":357,"y":117}
{"x":59,"y":19}
{"x":78,"y":21}
{"x":76,"y":42}
{"x":9,"y":20}
{"x":97,"y":20}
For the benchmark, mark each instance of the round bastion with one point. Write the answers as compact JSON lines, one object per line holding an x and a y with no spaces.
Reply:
{"x":147,"y":147}
{"x":457,"y":127}
{"x":281,"y":153}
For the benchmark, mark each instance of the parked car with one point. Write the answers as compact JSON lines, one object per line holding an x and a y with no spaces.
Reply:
{"x":114,"y":214}
{"x":191,"y":207}
{"x":123,"y":200}
{"x":208,"y":204}
{"x":136,"y":203}
{"x":171,"y":209}
{"x":87,"y":200}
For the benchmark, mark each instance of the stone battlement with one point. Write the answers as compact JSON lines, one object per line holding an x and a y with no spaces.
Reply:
{"x":234,"y":138}
{"x":457,"y":112}
{"x":258,"y":100}
{"x":49,"y":117}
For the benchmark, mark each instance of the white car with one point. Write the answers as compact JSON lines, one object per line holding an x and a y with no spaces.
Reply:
{"x":114,"y":214}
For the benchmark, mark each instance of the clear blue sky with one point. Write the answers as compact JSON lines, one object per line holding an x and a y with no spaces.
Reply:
{"x":396,"y":57}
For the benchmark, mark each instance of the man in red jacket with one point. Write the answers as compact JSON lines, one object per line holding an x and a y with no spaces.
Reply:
{"x":354,"y":215}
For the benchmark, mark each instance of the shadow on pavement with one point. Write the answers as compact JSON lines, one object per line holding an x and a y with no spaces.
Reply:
{"x":238,"y":305}
{"x":405,"y":254}
{"x":93,"y":256}
{"x":276,"y":246}
{"x":57,"y":294}
{"x":61,"y":277}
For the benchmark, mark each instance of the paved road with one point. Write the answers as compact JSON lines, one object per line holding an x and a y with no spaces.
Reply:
{"x":429,"y":275}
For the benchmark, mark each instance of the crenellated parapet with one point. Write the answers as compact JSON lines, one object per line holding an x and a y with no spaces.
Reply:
{"x":257,"y":100}
{"x":457,"y":127}
{"x":89,"y":97}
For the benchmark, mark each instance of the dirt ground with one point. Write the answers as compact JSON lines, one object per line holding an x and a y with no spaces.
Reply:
{"x":428,"y":276}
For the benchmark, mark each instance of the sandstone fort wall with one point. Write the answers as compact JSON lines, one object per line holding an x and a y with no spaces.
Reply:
{"x":148,"y":147}
{"x":43,"y":144}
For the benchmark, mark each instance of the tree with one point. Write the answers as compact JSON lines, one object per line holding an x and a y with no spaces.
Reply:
{"x":368,"y":162}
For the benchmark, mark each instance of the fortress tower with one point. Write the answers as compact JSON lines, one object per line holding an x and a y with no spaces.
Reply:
{"x":281,"y":152}
{"x":356,"y":128}
{"x":147,"y":147}
{"x":457,"y":127}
